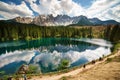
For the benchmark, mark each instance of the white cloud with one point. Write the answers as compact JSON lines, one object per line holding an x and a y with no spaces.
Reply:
{"x":103,"y":9}
{"x":56,"y":7}
{"x":46,"y":7}
{"x":16,"y":56}
{"x":99,"y":8}
{"x":54,"y":58}
{"x":11,"y":10}
{"x":51,"y":58}
{"x":111,"y":13}
{"x":71,"y":8}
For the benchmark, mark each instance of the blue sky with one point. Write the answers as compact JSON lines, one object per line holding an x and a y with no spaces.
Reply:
{"x":84,"y":3}
{"x":102,"y":9}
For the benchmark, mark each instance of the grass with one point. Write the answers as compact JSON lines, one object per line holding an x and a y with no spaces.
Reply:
{"x":114,"y":59}
{"x":63,"y":78}
{"x":16,"y":77}
{"x":116,"y":47}
{"x":109,"y":60}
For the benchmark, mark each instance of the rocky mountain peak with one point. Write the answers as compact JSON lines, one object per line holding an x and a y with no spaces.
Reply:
{"x":26,"y":20}
{"x":50,"y":20}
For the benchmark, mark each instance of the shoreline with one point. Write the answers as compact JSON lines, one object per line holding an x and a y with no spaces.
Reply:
{"x":72,"y":72}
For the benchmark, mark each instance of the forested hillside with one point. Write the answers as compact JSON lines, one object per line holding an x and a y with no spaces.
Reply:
{"x":18,"y":31}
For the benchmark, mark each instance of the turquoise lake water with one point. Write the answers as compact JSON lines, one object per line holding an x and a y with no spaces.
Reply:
{"x":46,"y":53}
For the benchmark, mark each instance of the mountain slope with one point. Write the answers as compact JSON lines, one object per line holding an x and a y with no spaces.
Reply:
{"x":62,"y":20}
{"x":84,"y":21}
{"x":26,"y":20}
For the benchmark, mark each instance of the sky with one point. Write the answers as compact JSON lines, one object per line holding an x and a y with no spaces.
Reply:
{"x":102,"y":9}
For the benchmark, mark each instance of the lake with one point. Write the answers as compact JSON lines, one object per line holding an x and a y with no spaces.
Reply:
{"x":46,"y":53}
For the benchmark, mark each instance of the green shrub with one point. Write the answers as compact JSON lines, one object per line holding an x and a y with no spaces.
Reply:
{"x":33,"y":69}
{"x":2,"y":72}
{"x":116,"y":46}
{"x":64,"y":64}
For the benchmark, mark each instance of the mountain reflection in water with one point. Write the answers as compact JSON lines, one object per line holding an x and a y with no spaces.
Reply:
{"x":47,"y":53}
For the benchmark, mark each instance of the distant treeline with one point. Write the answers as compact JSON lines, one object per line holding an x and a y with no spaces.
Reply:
{"x":112,"y":33}
{"x":17,"y":31}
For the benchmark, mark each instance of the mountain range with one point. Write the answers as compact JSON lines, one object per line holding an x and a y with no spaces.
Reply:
{"x":62,"y":20}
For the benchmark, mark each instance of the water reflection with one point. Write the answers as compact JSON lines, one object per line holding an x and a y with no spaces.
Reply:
{"x":100,"y":42}
{"x":11,"y":44}
{"x":48,"y":53}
